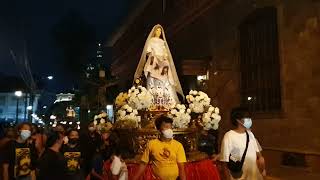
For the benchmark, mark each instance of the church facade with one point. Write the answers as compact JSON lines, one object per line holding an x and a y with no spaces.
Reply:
{"x":261,"y":54}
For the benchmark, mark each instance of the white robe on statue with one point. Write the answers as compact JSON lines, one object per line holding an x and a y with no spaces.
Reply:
{"x":157,"y":65}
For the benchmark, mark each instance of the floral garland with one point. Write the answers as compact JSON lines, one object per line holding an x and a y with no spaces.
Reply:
{"x":211,"y":119}
{"x":139,"y":98}
{"x":128,"y":117}
{"x":198,"y":101}
{"x":180,"y":116}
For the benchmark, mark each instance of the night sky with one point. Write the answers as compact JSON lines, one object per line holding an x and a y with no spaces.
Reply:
{"x":33,"y":20}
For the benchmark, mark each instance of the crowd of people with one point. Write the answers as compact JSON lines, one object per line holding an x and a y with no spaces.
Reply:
{"x":29,"y":153}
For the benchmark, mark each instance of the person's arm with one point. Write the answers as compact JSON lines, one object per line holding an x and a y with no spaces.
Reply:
{"x":260,"y":159}
{"x":182,"y":173}
{"x":144,"y":162}
{"x":141,"y":169}
{"x":261,"y":164}
{"x":5,"y":171}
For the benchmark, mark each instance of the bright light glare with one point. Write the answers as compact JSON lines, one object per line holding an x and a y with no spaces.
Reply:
{"x":18,"y":93}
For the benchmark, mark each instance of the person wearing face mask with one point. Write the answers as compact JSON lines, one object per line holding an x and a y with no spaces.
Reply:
{"x":167,"y":155}
{"x":90,"y":142}
{"x":38,"y":139}
{"x":20,"y":156}
{"x":234,"y":147}
{"x":52,"y":163}
{"x":72,"y":154}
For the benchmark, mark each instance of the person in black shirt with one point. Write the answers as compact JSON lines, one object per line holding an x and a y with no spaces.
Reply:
{"x":20,"y":156}
{"x":104,"y":153}
{"x":52,"y":163}
{"x":72,"y":154}
{"x":90,"y":143}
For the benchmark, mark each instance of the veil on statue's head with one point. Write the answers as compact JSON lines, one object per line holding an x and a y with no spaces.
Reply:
{"x":143,"y":59}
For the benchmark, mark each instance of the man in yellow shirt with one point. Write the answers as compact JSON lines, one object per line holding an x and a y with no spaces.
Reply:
{"x":166,"y":154}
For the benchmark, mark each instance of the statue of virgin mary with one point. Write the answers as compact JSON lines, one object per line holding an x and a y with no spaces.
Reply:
{"x":157,"y":65}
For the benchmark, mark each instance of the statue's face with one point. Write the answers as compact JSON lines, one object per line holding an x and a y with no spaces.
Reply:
{"x":158,"y":32}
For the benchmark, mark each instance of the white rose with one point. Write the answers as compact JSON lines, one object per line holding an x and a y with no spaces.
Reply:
{"x":95,"y":122}
{"x":211,"y":109}
{"x":195,"y":93}
{"x":122,"y":113}
{"x":218,"y":118}
{"x":188,"y":110}
{"x":172,"y":106}
{"x":216,"y":110}
{"x":174,"y":111}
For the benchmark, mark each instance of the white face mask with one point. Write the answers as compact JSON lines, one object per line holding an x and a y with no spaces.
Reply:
{"x":25,"y":134}
{"x":247,"y":123}
{"x":168,"y":133}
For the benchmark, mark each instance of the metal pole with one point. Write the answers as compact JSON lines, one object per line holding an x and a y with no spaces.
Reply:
{"x":25,"y":107}
{"x":17,"y":110}
{"x":31,"y":104}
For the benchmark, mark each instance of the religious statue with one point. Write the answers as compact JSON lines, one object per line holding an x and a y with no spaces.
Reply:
{"x":157,"y":65}
{"x":70,"y":112}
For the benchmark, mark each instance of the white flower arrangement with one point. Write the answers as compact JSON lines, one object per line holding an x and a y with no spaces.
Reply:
{"x":139,"y":98}
{"x":121,"y":99}
{"x":211,"y":119}
{"x":102,"y":117}
{"x":180,"y":116}
{"x":198,"y":101}
{"x":128,"y":115}
{"x":101,"y":122}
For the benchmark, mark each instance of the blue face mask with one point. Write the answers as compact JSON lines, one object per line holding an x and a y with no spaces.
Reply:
{"x":247,"y":123}
{"x":25,"y":134}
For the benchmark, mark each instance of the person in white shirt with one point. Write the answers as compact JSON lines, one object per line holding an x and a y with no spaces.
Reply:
{"x":118,"y":167}
{"x":234,"y":144}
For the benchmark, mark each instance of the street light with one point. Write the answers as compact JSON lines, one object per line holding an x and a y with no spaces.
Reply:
{"x":18,"y":94}
{"x":50,"y":77}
